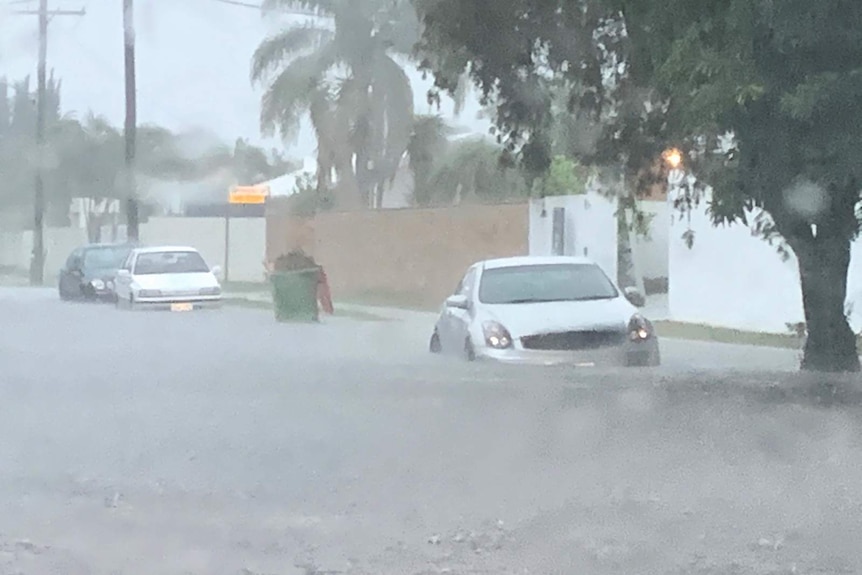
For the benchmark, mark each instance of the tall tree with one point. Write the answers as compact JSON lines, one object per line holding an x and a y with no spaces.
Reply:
{"x":18,"y":144}
{"x":780,"y":80}
{"x":473,"y":170}
{"x":85,"y":159}
{"x":427,"y":144}
{"x":341,"y":70}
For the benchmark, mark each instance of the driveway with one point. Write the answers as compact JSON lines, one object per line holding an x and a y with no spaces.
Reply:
{"x":224,"y":443}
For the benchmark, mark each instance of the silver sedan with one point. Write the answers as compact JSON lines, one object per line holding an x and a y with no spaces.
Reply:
{"x":544,"y":310}
{"x":175,"y":278}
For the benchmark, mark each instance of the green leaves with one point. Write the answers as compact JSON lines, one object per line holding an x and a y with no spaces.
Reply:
{"x":275,"y":50}
{"x":564,"y":177}
{"x":818,"y":92}
{"x":470,"y":170}
{"x":428,"y":142}
{"x":292,"y":92}
{"x":783,"y":76}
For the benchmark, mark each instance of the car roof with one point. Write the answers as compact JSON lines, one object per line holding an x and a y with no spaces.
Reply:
{"x":533,"y":261}
{"x":106,"y":245}
{"x":159,"y":249}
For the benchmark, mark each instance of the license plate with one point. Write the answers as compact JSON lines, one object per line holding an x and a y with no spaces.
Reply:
{"x":182,"y":307}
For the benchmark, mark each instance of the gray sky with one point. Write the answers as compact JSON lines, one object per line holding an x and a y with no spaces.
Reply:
{"x":193,"y":63}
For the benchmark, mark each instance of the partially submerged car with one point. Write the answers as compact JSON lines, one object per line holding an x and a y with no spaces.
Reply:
{"x":545,"y":310}
{"x":167,"y":277}
{"x":89,"y":272}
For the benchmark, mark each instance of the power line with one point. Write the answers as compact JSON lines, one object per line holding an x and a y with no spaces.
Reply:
{"x":52,"y":13}
{"x":293,"y":12}
{"x":238,"y":3}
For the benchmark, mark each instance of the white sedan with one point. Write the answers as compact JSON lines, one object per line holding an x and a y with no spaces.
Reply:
{"x":544,"y":310}
{"x":175,"y":278}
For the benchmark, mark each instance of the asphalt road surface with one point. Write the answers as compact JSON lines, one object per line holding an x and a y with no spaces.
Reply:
{"x":223,"y":443}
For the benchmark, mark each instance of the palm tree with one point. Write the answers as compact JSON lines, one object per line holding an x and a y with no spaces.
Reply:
{"x":427,"y":144}
{"x":473,"y":170}
{"x":341,"y":71}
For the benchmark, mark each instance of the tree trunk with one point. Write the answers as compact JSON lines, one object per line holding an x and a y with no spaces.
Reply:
{"x":346,"y":193}
{"x":625,"y":263}
{"x":94,"y":227}
{"x":823,"y":264}
{"x":626,"y":276}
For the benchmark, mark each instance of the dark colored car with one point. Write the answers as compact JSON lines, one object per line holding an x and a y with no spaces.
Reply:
{"x":90,"y":271}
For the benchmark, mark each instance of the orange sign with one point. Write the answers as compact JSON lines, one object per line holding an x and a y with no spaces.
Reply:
{"x":248,"y":194}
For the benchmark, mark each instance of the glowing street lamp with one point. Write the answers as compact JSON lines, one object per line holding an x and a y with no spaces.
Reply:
{"x":673,"y":158}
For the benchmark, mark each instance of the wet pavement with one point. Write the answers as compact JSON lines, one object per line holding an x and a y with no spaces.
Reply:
{"x":220,"y":442}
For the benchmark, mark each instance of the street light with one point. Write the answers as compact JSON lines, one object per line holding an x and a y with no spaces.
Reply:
{"x":673,"y":158}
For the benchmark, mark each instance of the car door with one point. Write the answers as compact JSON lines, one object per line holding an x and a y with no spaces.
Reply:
{"x":458,"y":320}
{"x":462,"y":318}
{"x":444,"y":323}
{"x":123,"y":282}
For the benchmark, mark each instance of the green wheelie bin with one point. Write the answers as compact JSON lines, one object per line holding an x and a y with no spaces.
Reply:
{"x":294,"y":295}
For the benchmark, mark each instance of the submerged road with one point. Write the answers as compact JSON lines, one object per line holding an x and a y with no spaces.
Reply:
{"x":224,"y":443}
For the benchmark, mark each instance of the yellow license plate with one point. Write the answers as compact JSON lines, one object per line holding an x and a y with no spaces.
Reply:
{"x":182,"y":307}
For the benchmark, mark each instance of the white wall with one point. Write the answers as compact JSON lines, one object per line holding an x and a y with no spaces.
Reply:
{"x":733,"y":279}
{"x":590,"y":228}
{"x":247,"y":241}
{"x":59,"y":242}
{"x":247,"y":244}
{"x":14,"y":250}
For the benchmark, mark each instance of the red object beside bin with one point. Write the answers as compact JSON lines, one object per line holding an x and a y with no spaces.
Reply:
{"x":324,"y":295}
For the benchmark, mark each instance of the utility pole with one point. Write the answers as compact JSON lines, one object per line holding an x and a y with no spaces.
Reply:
{"x":37,"y":264}
{"x":131,"y":126}
{"x":37,"y":261}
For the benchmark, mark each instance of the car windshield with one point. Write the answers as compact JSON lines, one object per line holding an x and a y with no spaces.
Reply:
{"x":150,"y":263}
{"x":105,"y":257}
{"x":545,"y":283}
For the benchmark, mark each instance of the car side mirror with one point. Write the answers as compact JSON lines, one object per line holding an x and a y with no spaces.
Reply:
{"x":458,"y":301}
{"x":123,"y":274}
{"x":635,"y":297}
{"x":216,"y":271}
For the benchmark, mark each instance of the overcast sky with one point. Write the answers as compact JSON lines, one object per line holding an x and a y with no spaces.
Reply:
{"x":193,"y":64}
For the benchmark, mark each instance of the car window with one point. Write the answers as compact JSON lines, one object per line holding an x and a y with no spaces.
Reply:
{"x":108,"y":257}
{"x":467,"y":284}
{"x":173,"y":262}
{"x":545,"y":283}
{"x":127,"y":265}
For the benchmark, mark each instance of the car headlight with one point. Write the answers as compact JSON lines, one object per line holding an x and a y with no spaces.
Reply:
{"x":97,"y":284}
{"x":496,"y":335}
{"x":639,"y":328}
{"x":149,"y":293}
{"x":211,"y":291}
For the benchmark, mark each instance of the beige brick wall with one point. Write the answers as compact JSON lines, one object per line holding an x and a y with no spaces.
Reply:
{"x":412,"y":256}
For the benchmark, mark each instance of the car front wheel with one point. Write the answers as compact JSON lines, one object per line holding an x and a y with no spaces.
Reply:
{"x":434,"y":346}
{"x":125,"y":303}
{"x":469,"y":350}
{"x":645,"y":358}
